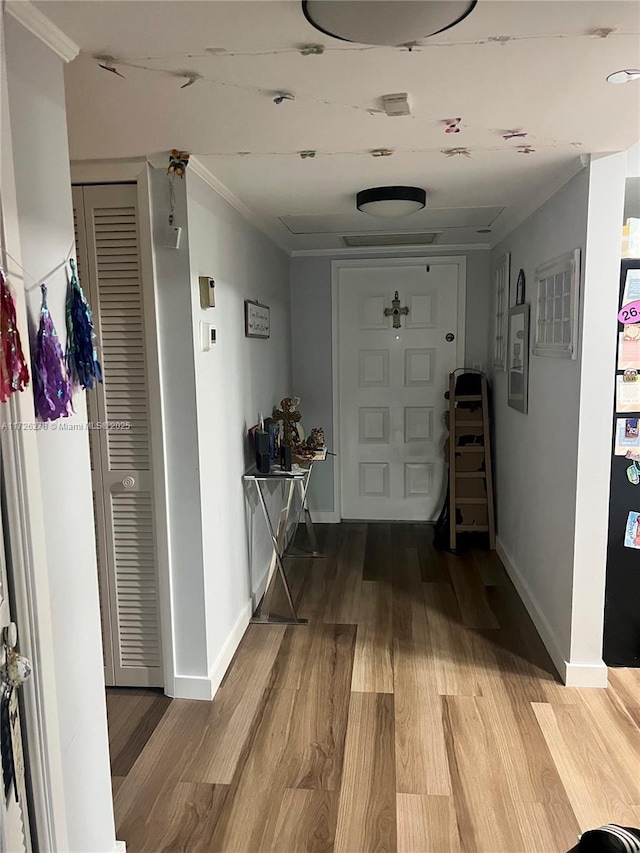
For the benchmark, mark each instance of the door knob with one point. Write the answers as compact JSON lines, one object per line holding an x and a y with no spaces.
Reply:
{"x":449,"y":337}
{"x":128,"y":482}
{"x":15,"y":668}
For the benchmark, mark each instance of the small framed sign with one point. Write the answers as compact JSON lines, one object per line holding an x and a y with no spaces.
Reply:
{"x":256,"y":319}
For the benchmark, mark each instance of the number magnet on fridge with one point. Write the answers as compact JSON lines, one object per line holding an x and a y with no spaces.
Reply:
{"x":630,"y":313}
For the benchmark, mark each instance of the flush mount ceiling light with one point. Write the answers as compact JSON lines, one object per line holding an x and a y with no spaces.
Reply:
{"x":391,"y":201}
{"x":627,"y":75}
{"x":390,"y":22}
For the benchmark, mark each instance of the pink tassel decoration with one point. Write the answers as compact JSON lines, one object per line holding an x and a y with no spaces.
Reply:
{"x":52,"y":388}
{"x":14,"y":373}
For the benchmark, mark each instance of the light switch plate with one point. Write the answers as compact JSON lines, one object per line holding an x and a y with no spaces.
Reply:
{"x":207,"y":336}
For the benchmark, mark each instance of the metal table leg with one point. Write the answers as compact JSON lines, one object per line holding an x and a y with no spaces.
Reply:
{"x":278,"y":542}
{"x":311,"y":533}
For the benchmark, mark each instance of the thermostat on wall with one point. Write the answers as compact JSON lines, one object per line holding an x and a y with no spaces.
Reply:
{"x":207,"y":292}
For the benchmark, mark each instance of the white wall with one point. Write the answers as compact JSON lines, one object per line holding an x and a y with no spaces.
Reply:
{"x":311,"y":345}
{"x":180,"y":435}
{"x":43,"y":195}
{"x":210,"y":399}
{"x":599,"y":344}
{"x":536,"y":454}
{"x":235,"y":380}
{"x":633,"y":161}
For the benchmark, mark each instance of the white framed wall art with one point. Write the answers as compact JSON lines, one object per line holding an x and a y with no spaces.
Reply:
{"x":501,"y":311}
{"x":557,"y":305}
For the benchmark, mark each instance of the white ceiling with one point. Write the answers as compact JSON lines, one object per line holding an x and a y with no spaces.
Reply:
{"x":548,"y":79}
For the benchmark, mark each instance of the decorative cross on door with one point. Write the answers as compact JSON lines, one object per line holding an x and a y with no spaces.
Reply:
{"x":396,"y":311}
{"x":289,"y":417}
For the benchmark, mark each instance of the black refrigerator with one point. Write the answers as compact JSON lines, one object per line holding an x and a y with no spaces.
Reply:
{"x":622,"y":596}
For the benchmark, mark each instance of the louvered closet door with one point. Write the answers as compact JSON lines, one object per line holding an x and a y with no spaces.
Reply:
{"x":95,"y":406}
{"x":121,"y":457}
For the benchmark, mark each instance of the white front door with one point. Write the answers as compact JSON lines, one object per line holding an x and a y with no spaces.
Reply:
{"x":392,"y":383}
{"x":14,"y":826}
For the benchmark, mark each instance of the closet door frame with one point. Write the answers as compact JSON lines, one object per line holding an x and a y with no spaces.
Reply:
{"x":137,"y":172}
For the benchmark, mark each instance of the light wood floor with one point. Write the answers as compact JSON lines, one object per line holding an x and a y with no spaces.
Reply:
{"x":417,"y":712}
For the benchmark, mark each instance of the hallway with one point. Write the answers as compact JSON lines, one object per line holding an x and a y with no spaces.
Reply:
{"x":418,"y":711}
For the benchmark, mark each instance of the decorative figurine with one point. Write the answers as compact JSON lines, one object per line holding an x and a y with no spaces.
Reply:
{"x":290,"y":417}
{"x":308,"y":449}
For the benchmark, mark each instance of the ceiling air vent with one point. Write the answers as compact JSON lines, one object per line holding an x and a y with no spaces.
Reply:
{"x":359,"y":240}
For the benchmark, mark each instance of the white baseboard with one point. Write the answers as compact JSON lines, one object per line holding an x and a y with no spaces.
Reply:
{"x":572,"y":674}
{"x":192,"y":687}
{"x":221,"y":664}
{"x":120,"y":847}
{"x":205,"y":687}
{"x":586,"y":674}
{"x":259,"y":591}
{"x":326,"y":517}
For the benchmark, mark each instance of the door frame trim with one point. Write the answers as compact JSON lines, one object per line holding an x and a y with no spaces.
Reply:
{"x":27,"y":553}
{"x":336,"y":266}
{"x":137,"y":171}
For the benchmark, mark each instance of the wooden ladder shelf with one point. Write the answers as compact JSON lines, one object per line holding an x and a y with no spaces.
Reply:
{"x":470,"y":475}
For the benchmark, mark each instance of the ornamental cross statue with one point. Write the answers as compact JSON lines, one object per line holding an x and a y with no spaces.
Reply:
{"x":396,"y":311}
{"x":289,"y":419}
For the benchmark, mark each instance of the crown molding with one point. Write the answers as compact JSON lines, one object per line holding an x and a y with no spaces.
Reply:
{"x":42,"y":28}
{"x":107,"y":171}
{"x":391,"y":251}
{"x":196,"y":167}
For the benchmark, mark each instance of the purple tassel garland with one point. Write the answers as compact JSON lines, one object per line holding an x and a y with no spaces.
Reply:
{"x":52,"y":389}
{"x":14,"y":373}
{"x":82,"y":358}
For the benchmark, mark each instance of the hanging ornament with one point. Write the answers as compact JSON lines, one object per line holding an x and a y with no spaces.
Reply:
{"x":14,"y":373}
{"x":51,"y":385}
{"x":178,"y":162}
{"x":81,"y":356}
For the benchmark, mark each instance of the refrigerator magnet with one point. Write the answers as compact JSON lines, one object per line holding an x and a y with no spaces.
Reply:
{"x":627,"y":436}
{"x":632,"y":531}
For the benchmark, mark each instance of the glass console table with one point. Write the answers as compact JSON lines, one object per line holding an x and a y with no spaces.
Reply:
{"x":291,"y":482}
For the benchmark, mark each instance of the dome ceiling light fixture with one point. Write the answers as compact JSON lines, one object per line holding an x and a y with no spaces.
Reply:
{"x":391,"y":202}
{"x":385,"y":22}
{"x":627,"y":75}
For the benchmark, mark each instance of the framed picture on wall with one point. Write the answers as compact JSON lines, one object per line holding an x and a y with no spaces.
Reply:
{"x":501,"y":309}
{"x":518,"y":358}
{"x":520,"y":288}
{"x":557,"y":307}
{"x":257,"y":322}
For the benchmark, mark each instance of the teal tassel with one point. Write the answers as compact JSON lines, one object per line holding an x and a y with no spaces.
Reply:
{"x":82,"y":356}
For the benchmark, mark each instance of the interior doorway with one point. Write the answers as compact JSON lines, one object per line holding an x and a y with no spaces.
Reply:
{"x":390,"y":377}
